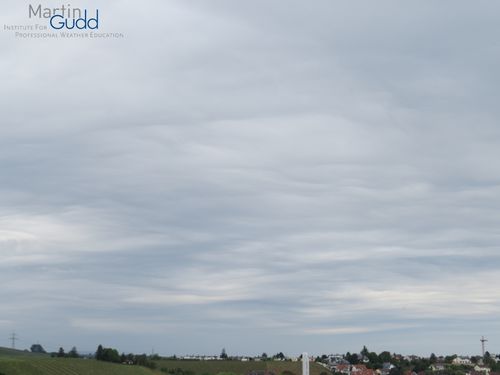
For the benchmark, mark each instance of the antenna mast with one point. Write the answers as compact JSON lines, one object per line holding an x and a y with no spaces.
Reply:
{"x":13,"y":338}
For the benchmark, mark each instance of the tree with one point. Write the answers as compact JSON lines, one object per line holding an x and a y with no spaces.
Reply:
{"x":61,"y":353}
{"x":99,"y":352}
{"x":73,"y":353}
{"x":279,"y":356}
{"x":489,"y":361}
{"x":373,"y":359}
{"x":353,"y":359}
{"x":433,"y":358}
{"x":449,"y":358}
{"x":37,"y":348}
{"x":223,"y":354}
{"x":264,"y":356}
{"x":396,"y":371}
{"x":110,"y":355}
{"x":420,"y":365}
{"x":365,"y":351}
{"x":141,"y":360}
{"x":107,"y":354}
{"x":385,"y":357}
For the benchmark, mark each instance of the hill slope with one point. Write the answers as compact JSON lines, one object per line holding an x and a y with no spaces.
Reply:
{"x":17,"y":353}
{"x":18,"y":365}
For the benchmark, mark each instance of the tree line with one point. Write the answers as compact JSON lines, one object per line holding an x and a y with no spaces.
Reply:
{"x":112,"y":355}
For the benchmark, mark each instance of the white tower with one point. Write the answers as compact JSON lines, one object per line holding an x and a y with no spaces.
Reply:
{"x":305,"y":364}
{"x":483,"y":340}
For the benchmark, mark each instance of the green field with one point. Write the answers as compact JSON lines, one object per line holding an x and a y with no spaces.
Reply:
{"x":15,"y":362}
{"x":66,"y":366}
{"x":5,"y":352}
{"x":24,"y":363}
{"x":239,"y":368}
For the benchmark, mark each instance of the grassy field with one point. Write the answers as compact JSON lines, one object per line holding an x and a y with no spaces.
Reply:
{"x":23,"y":363}
{"x":5,"y":352}
{"x":66,"y":366}
{"x":237,"y":367}
{"x":15,"y":362}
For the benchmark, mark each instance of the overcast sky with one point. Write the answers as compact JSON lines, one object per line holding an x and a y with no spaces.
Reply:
{"x":261,"y":176}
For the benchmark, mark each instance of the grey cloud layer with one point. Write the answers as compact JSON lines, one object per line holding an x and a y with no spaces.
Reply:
{"x":233,"y":171}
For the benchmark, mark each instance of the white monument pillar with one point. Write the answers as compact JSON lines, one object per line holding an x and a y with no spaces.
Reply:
{"x":305,"y":364}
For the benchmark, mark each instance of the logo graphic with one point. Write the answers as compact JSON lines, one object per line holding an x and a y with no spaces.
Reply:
{"x":66,"y":17}
{"x":64,"y":22}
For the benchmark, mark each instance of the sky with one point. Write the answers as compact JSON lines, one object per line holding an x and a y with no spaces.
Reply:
{"x":259,"y":176}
